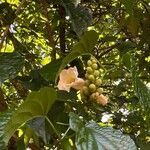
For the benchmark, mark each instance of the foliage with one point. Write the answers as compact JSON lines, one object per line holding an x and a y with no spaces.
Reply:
{"x":39,"y":39}
{"x":37,"y":104}
{"x":92,"y":136}
{"x":9,"y":65}
{"x":3,"y":121}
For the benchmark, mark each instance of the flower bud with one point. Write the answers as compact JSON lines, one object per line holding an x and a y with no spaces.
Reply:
{"x":91,"y":78}
{"x":94,"y":66}
{"x":89,"y":70}
{"x":98,"y":82}
{"x":87,"y":82}
{"x":86,"y":75}
{"x":93,"y":60}
{"x":96,"y":73}
{"x":85,"y":90}
{"x":101,"y":99}
{"x":89,"y":62}
{"x":92,"y":87}
{"x":100,"y":90}
{"x":101,"y":70}
{"x":92,"y":96}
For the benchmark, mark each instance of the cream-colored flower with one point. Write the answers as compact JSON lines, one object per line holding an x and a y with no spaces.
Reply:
{"x":101,"y":99}
{"x":69,"y":79}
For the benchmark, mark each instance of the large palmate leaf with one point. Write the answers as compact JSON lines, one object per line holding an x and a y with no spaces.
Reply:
{"x":39,"y":127}
{"x":10,"y":65}
{"x":37,"y":104}
{"x":4,"y":117}
{"x":84,"y":46}
{"x":87,"y":42}
{"x":93,"y":137}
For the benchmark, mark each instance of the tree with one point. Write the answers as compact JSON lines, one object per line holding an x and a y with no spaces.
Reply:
{"x":75,"y":74}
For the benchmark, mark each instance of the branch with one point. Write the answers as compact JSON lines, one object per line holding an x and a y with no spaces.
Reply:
{"x":48,"y":28}
{"x":20,"y":88}
{"x":107,"y":50}
{"x":3,"y":104}
{"x":62,"y":26}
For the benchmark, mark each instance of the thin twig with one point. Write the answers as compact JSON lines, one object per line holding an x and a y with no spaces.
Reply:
{"x":65,"y":133}
{"x":48,"y":28}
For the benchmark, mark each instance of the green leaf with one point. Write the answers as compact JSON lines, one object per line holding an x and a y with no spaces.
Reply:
{"x":93,"y":137}
{"x":142,"y":92}
{"x":10,"y":65}
{"x":37,"y":104}
{"x":49,"y":71}
{"x":4,"y":117}
{"x":126,"y":47}
{"x":64,"y":96}
{"x":84,"y":46}
{"x":133,"y":25}
{"x":75,"y":122}
{"x":144,"y":146}
{"x":39,"y":127}
{"x":114,"y":73}
{"x":66,"y":145}
{"x":129,"y":5}
{"x":108,"y":38}
{"x":127,"y":61}
{"x":80,"y":16}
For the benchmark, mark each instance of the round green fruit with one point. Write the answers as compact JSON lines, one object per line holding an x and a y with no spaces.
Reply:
{"x":92,"y":96}
{"x":85,"y":90}
{"x":86,"y":75}
{"x":93,"y":60}
{"x":100,"y":90}
{"x":92,"y":87}
{"x":101,"y":70}
{"x":87,"y":82}
{"x":94,"y":66}
{"x":89,"y":62}
{"x":98,"y":82}
{"x":96,"y":73}
{"x":91,"y":78}
{"x":89,"y":70}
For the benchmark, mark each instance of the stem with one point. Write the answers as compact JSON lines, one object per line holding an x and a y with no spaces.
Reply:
{"x":54,"y":129}
{"x":65,"y":133}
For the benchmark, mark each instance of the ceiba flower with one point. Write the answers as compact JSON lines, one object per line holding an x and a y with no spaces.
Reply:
{"x":69,"y":79}
{"x":101,"y":99}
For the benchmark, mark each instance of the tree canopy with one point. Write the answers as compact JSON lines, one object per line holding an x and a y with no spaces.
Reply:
{"x":75,"y":74}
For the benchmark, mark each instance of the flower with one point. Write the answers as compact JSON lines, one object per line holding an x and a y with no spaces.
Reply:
{"x":69,"y":79}
{"x":101,"y":99}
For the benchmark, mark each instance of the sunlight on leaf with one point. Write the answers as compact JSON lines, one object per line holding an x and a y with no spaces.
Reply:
{"x":37,"y":104}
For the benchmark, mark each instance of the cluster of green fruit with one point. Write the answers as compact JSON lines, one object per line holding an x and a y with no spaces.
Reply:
{"x":93,"y":81}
